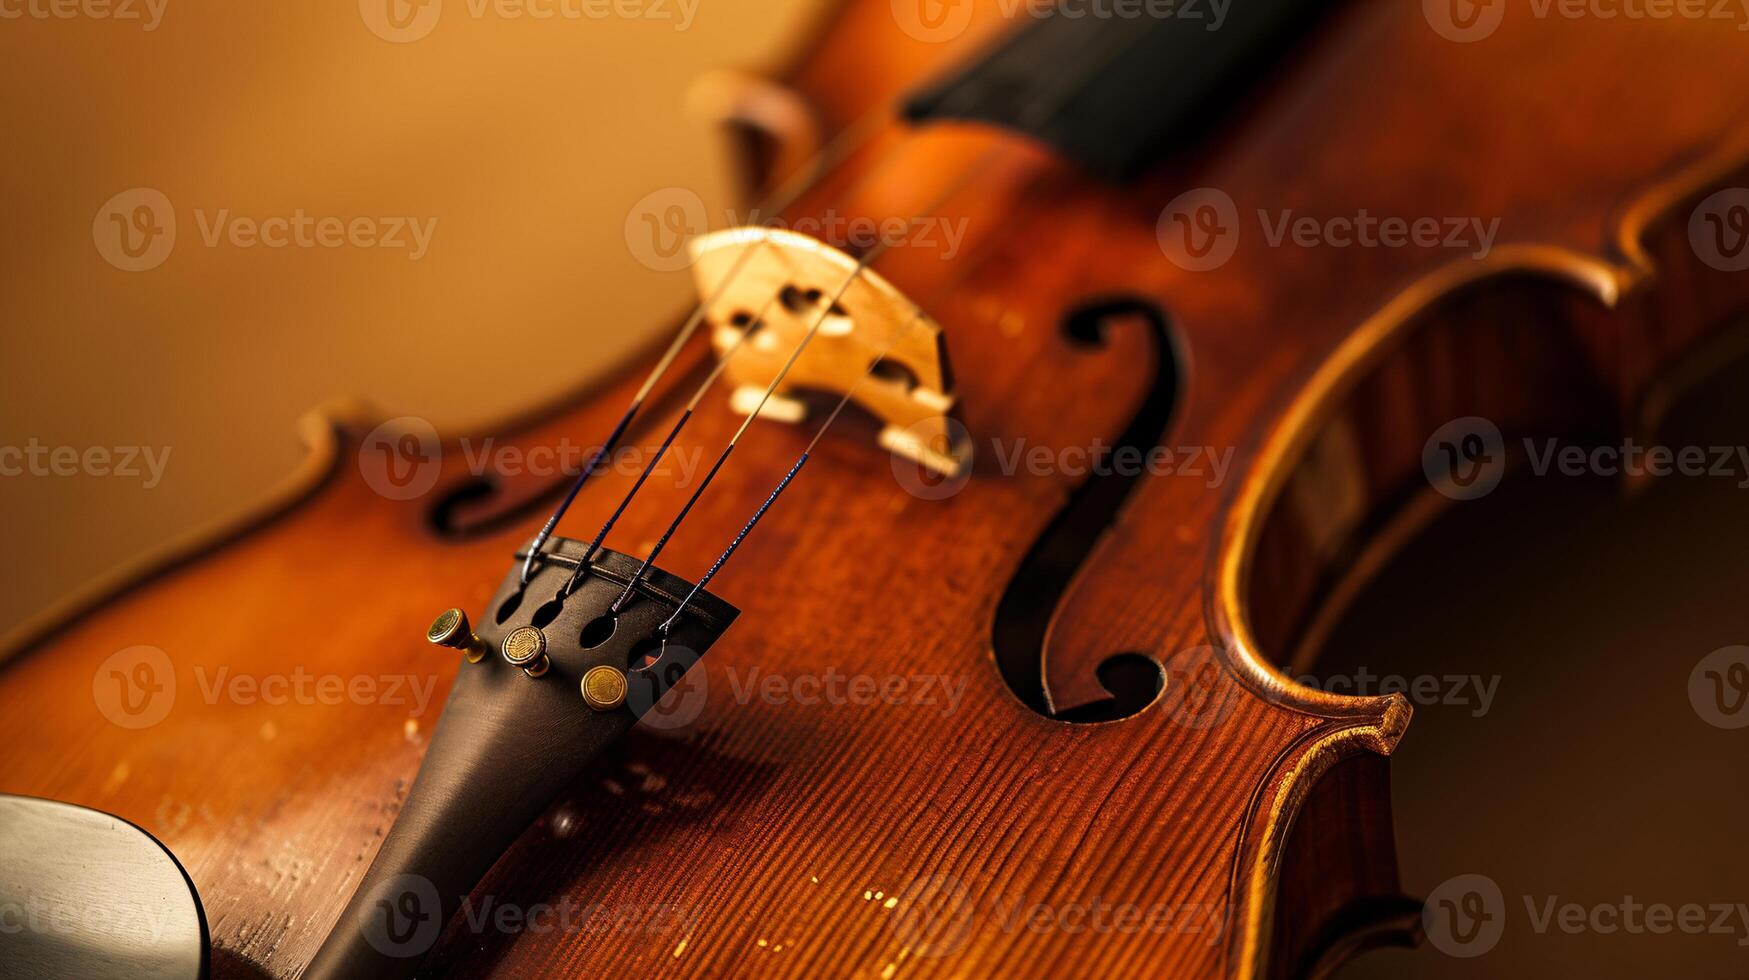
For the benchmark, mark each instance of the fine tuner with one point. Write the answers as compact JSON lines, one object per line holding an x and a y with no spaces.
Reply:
{"x":531,"y":647}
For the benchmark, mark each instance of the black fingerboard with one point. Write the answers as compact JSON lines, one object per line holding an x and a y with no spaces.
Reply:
{"x":1116,"y":93}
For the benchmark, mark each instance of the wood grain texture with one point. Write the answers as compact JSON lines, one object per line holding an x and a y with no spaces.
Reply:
{"x":775,"y":838}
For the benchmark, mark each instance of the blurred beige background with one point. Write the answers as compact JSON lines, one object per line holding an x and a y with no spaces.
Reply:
{"x":499,"y":153}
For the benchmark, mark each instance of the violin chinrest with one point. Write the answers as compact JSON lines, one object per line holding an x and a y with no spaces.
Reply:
{"x":91,"y":895}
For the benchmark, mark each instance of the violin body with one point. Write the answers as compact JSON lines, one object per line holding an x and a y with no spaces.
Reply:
{"x":865,"y":785}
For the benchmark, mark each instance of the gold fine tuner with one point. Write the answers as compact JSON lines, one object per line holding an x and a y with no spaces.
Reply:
{"x":451,"y":629}
{"x":526,"y":647}
{"x":604,"y":688}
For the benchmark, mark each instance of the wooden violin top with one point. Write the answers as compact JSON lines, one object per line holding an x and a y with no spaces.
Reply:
{"x":870,"y":780}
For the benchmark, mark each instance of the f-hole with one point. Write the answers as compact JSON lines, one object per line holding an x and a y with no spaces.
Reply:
{"x":1023,"y":616}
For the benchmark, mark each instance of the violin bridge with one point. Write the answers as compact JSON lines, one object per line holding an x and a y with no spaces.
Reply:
{"x":779,"y":285}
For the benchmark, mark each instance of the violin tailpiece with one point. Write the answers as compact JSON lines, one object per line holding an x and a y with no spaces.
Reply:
{"x":557,"y":683}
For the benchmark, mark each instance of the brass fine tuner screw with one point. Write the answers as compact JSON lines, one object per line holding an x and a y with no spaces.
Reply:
{"x":451,"y":629}
{"x":604,"y":688}
{"x":526,"y":647}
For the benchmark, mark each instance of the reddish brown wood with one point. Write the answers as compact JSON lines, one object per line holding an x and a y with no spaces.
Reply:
{"x":778,"y":833}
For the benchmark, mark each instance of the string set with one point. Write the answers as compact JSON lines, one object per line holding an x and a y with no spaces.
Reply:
{"x":786,"y":194}
{"x":819,"y":320}
{"x":793,"y":188}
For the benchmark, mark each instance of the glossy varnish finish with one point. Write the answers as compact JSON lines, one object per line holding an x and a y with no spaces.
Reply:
{"x":794,"y":839}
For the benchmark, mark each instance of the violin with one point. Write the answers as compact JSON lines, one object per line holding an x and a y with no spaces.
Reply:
{"x":1073,"y":367}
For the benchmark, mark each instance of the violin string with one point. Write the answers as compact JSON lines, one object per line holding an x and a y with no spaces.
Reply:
{"x":1066,"y":84}
{"x":807,"y":452}
{"x":722,"y":458}
{"x":826,"y":308}
{"x":869,"y":120}
{"x":804,"y":177}
{"x":704,"y":387}
{"x":1032,"y":113}
{"x":783,"y":484}
{"x":685,"y":416}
